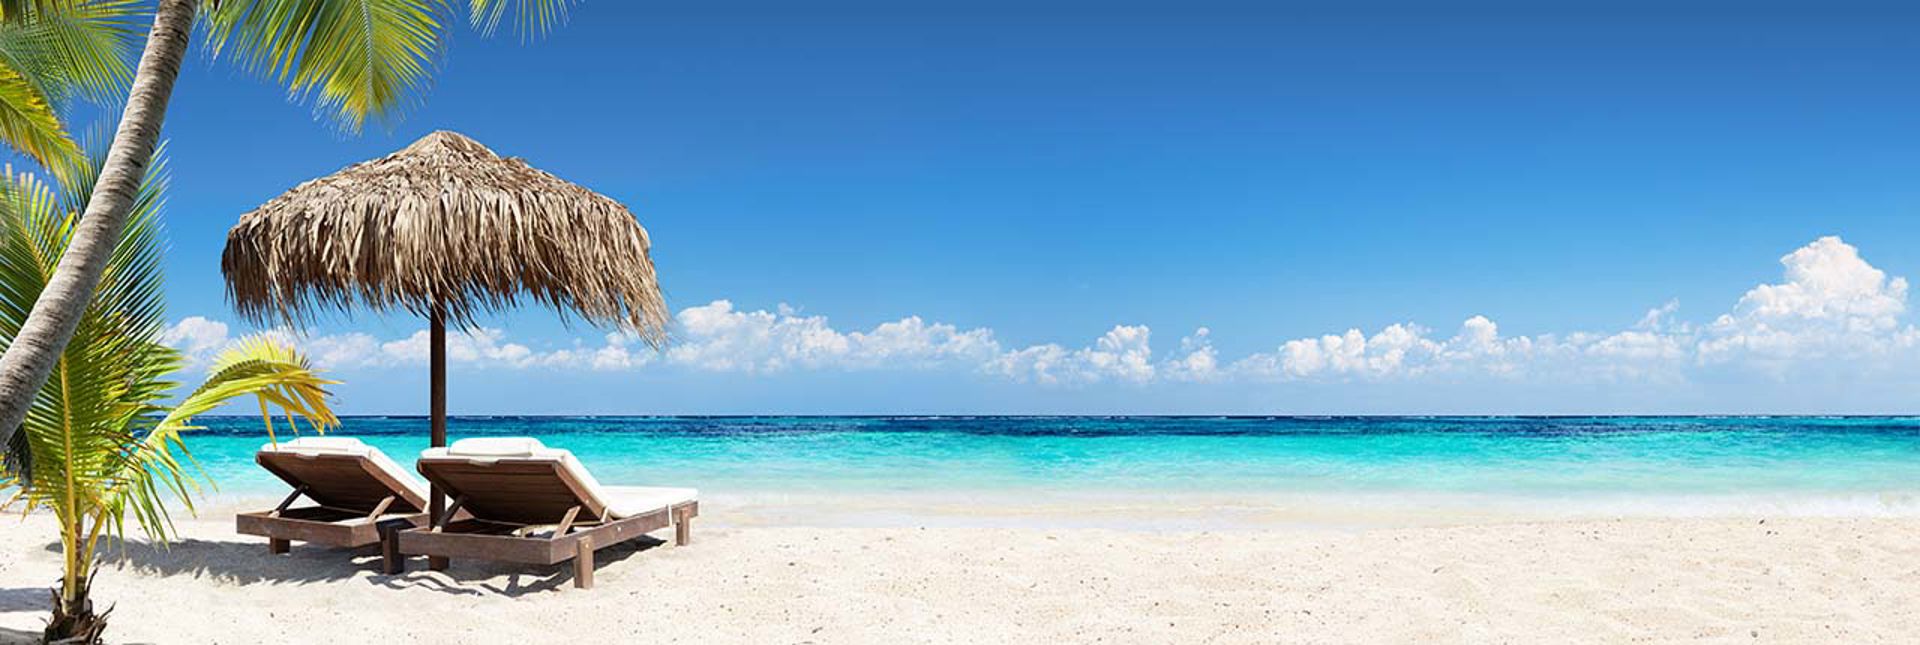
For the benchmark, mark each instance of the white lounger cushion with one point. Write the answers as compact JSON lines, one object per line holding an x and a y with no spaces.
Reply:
{"x":628,"y":501}
{"x":620,"y":501}
{"x":349,"y":446}
{"x":318,"y":445}
{"x":498,"y":447}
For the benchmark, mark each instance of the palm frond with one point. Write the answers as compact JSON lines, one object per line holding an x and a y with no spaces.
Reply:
{"x":11,"y":10}
{"x":29,"y":124}
{"x":355,"y":60}
{"x":532,"y":18}
{"x":98,"y":443}
{"x":257,"y":366}
{"x":261,"y":366}
{"x":84,"y":50}
{"x":112,"y":375}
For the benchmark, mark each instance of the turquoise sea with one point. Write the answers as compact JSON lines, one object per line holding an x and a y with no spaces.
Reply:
{"x":1260,"y":469}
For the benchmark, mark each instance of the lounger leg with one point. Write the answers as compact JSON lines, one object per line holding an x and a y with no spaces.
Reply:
{"x":682,"y":529}
{"x":278,"y":546}
{"x":441,"y":519}
{"x":583,"y":564}
{"x":391,"y":562}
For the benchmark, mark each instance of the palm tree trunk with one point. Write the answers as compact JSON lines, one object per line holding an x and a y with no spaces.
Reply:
{"x":72,"y":619}
{"x":31,"y":357}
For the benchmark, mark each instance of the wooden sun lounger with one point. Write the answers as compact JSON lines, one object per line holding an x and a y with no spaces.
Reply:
{"x":359,"y":502}
{"x":534,"y":510}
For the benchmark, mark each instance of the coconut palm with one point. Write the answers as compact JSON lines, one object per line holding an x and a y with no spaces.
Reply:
{"x":99,"y":444}
{"x":354,"y":60}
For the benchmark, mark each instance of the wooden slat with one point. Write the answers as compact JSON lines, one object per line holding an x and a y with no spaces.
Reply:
{"x":618,"y":531}
{"x":497,"y":548}
{"x":521,"y":491}
{"x":494,"y":541}
{"x":342,"y":481}
{"x":502,"y":496}
{"x":382,"y":508}
{"x":291,"y":497}
{"x":319,"y":525}
{"x":566,"y":523}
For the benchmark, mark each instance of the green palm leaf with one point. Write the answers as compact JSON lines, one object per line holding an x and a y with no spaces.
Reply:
{"x":531,"y":17}
{"x":79,"y":425}
{"x":99,"y":443}
{"x":354,"y":59}
{"x":28,"y":123}
{"x":51,"y":55}
{"x":83,"y":50}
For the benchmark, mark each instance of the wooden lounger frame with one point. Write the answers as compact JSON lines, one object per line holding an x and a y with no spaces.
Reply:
{"x":507,"y":501}
{"x":351,"y":494}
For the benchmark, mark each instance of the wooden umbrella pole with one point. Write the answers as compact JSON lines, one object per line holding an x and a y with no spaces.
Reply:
{"x":438,"y":376}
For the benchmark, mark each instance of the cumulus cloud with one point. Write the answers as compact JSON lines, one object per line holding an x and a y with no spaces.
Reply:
{"x":1352,"y":353}
{"x":621,"y":351}
{"x":716,"y":337}
{"x":710,"y":337}
{"x":485,"y":345}
{"x":1659,"y":318}
{"x":198,"y":339}
{"x":196,"y":336}
{"x":1831,"y":304}
{"x":1398,"y":351}
{"x":1197,"y":361}
{"x":1124,"y":353}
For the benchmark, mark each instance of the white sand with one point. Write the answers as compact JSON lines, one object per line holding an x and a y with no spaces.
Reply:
{"x":1784,"y":580}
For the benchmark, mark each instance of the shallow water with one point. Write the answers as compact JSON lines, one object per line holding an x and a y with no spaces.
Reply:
{"x":1311,"y":470}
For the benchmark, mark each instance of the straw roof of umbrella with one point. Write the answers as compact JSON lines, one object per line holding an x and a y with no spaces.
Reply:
{"x":444,"y":225}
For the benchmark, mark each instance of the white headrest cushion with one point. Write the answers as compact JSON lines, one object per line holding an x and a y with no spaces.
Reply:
{"x":319,"y":445}
{"x":497,"y":447}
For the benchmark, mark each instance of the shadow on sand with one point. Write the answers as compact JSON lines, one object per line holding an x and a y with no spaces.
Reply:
{"x":18,"y":636}
{"x":14,"y":599}
{"x":237,"y":562}
{"x":248,"y":562}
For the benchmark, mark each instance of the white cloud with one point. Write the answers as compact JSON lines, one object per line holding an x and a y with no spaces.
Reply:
{"x":1124,"y":353}
{"x":1659,"y":318}
{"x":196,"y":337}
{"x":716,"y":337}
{"x":621,"y":351}
{"x":199,"y":339}
{"x":1394,"y":350}
{"x":914,"y":342}
{"x":482,"y":346}
{"x":1197,"y":361}
{"x":711,"y":337}
{"x":1831,"y":305}
{"x":340,"y":350}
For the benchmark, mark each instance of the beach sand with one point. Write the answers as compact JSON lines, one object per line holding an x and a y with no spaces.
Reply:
{"x":1738,"y":580}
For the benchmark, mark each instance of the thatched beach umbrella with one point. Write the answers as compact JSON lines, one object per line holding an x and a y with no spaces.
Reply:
{"x":445,"y":229}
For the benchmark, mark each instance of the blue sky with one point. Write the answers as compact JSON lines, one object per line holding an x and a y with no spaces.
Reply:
{"x":1037,"y":178}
